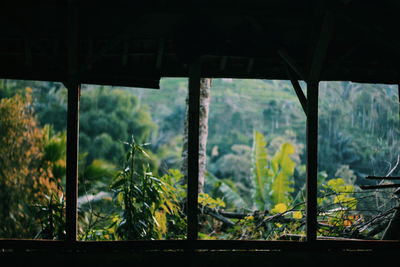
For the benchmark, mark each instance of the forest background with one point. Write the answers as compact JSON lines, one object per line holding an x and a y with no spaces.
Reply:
{"x":358,"y":136}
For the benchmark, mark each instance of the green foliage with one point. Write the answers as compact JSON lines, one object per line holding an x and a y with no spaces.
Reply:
{"x":336,"y":191}
{"x":96,"y":177}
{"x":51,"y":215}
{"x":206,"y":200}
{"x":27,"y":175}
{"x":107,"y":117}
{"x":227,"y":190}
{"x":272,"y":178}
{"x":261,"y":175}
{"x":145,"y":200}
{"x":359,"y":123}
{"x":358,"y":135}
{"x":55,"y":152}
{"x":338,"y":207}
{"x":50,"y":105}
{"x":235,"y":165}
{"x":283,"y":170}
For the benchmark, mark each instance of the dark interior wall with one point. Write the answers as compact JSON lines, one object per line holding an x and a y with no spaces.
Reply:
{"x":235,"y":258}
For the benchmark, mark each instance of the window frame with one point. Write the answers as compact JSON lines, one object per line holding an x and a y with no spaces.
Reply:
{"x":192,"y":242}
{"x":311,"y":243}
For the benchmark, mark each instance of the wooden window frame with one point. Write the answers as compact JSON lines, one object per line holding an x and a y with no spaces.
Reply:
{"x":310,"y":106}
{"x":192,"y":242}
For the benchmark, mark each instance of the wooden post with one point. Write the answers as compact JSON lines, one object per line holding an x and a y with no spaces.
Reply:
{"x":193,"y":150}
{"x":318,"y":59}
{"x":297,"y":88}
{"x":312,"y":159}
{"x":72,"y":160}
{"x":73,"y":87}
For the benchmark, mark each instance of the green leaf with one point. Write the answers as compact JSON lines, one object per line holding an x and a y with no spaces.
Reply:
{"x":230,"y":193}
{"x":260,"y":175}
{"x":283,"y":167}
{"x":118,"y":182}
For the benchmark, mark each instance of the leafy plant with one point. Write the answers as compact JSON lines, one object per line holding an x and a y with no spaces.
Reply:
{"x":145,"y":199}
{"x":283,"y":170}
{"x":338,"y":207}
{"x":52,"y":217}
{"x":227,"y":190}
{"x":272,"y":178}
{"x":261,"y":176}
{"x":31,"y":166}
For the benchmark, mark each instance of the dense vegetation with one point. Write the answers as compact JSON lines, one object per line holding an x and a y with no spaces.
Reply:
{"x":130,"y":183}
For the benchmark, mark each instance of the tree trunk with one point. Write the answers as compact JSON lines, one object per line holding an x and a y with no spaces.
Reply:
{"x":205,"y":97}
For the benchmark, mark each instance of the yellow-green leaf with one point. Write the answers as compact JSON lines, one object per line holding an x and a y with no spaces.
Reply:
{"x":279,"y":208}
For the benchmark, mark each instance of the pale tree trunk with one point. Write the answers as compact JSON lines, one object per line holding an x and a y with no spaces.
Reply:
{"x":205,"y":97}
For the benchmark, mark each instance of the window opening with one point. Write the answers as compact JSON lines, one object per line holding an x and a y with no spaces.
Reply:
{"x":255,"y":179}
{"x":358,"y":140}
{"x":32,"y":159}
{"x":131,"y":185}
{"x":357,"y":169}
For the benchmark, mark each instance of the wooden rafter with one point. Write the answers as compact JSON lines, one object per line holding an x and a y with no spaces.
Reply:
{"x":292,"y":64}
{"x":113,"y":42}
{"x":297,"y":88}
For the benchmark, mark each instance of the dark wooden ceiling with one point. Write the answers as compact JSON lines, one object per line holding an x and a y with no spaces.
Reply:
{"x":134,"y":43}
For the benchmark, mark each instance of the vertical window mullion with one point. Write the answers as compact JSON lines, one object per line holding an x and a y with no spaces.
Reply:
{"x":193,"y":150}
{"x":73,"y":87}
{"x":320,"y":52}
{"x":312,"y":159}
{"x":72,"y":161}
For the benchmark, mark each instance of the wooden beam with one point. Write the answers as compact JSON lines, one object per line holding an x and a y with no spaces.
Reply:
{"x":292,"y":64}
{"x":312,"y":125}
{"x":114,"y":42}
{"x":250,"y":65}
{"x":73,"y":87}
{"x":72,"y":160}
{"x":20,"y":29}
{"x":125,"y":54}
{"x":222,"y":63}
{"x":312,"y":160}
{"x":28,"y":52}
{"x":160,"y":53}
{"x":340,"y":60}
{"x":297,"y":88}
{"x":322,"y":47}
{"x":72,"y":37}
{"x":381,"y":186}
{"x":372,"y":32}
{"x":165,"y":246}
{"x":383,"y":178}
{"x":193,"y":150}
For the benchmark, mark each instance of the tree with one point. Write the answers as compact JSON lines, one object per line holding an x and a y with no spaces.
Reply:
{"x":205,"y":97}
{"x":26,"y":175}
{"x":108,"y":118}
